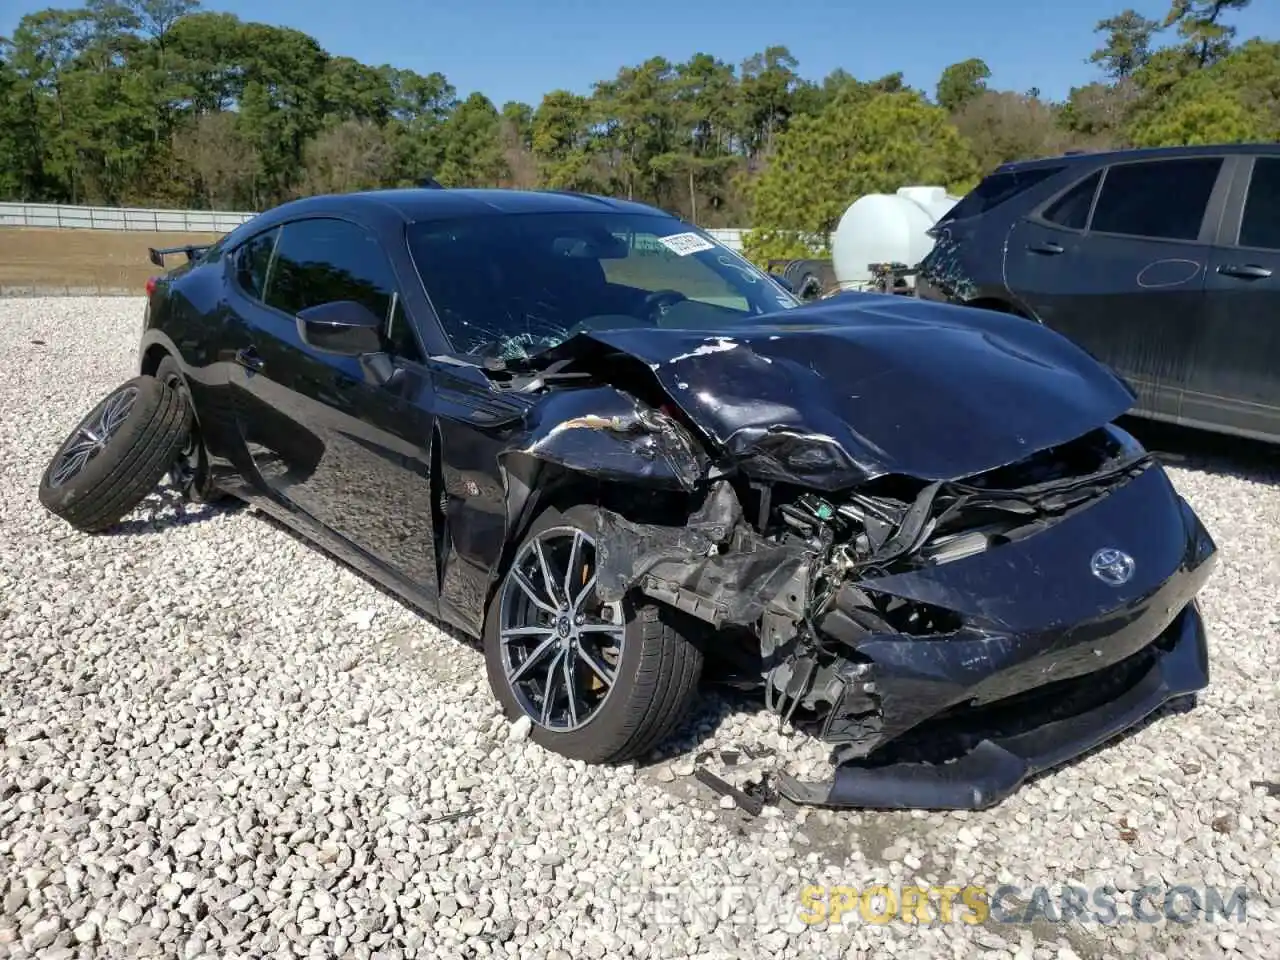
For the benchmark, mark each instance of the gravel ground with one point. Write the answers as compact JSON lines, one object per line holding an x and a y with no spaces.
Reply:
{"x":219,"y":742}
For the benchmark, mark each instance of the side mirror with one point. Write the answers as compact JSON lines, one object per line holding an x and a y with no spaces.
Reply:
{"x":341,"y":327}
{"x":783,"y":282}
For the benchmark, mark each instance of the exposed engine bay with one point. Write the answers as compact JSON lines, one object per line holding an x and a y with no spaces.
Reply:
{"x":800,"y":567}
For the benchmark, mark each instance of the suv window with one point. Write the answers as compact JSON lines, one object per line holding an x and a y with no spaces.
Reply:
{"x":1071,"y":210}
{"x":252,"y":260}
{"x":1163,"y":199}
{"x":996,"y":189}
{"x":1261,"y":224}
{"x":322,"y":260}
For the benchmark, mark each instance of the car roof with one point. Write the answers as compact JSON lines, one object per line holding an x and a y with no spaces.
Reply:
{"x":1140,"y":153}
{"x":426,"y":203}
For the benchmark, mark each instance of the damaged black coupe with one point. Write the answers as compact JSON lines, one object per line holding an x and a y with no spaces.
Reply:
{"x":586,"y":432}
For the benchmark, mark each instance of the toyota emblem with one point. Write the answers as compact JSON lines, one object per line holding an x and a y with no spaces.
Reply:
{"x":1113,"y":567}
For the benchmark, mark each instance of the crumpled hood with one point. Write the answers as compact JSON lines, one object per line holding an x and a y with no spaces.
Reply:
{"x":844,"y":390}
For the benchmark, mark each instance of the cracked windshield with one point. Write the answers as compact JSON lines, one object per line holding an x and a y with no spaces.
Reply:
{"x":511,"y":287}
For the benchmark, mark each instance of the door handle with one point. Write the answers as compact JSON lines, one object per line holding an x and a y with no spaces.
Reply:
{"x":1245,"y":271}
{"x":1048,"y":247}
{"x":248,"y":357}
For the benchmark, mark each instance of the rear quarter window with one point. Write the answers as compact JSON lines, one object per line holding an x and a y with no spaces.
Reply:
{"x":998,"y":188}
{"x":1071,"y":209}
{"x":251,"y":262}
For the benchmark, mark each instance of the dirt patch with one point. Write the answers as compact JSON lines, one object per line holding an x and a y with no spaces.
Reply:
{"x":104,"y":260}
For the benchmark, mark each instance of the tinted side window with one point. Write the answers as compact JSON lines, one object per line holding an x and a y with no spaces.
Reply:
{"x":1163,"y":199}
{"x":1071,"y":210}
{"x":214,"y":251}
{"x":1261,"y":224}
{"x":319,"y":261}
{"x":996,"y":189}
{"x":251,"y":263}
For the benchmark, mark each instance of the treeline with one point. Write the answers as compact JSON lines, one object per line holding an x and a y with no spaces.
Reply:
{"x":157,"y":103}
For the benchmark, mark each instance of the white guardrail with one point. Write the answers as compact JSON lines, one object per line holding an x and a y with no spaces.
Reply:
{"x":176,"y":221}
{"x":119,"y":218}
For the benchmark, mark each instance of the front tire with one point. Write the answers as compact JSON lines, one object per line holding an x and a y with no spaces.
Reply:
{"x":601,"y":683}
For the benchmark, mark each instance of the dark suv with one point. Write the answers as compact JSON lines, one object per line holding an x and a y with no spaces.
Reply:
{"x":1164,"y":264}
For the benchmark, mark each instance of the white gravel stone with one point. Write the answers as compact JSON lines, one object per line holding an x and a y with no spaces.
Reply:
{"x":520,"y":730}
{"x":220,"y":742}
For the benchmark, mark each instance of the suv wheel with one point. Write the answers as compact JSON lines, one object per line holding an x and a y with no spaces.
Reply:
{"x":601,"y":682}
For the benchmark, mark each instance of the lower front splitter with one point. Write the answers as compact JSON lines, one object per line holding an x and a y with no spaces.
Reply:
{"x":997,"y":766}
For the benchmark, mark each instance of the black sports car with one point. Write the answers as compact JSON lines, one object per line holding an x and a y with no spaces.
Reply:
{"x":586,"y":432}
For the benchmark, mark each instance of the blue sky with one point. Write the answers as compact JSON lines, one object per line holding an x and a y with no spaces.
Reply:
{"x":520,"y":49}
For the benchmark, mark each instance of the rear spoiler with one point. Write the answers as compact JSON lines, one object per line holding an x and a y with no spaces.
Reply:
{"x":192,"y":250}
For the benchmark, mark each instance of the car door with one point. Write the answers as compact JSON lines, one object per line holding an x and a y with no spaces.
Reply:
{"x":1116,"y":263}
{"x":244,"y":285}
{"x":1235,"y":381}
{"x":344,"y":440}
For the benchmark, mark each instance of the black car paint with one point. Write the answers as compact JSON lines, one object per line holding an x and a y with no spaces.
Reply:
{"x":1007,"y":645}
{"x":1197,"y":344}
{"x":450,"y":460}
{"x":877,"y":385}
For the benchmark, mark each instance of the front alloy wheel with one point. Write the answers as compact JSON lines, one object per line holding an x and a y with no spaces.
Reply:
{"x":560,"y":644}
{"x":602,"y":682}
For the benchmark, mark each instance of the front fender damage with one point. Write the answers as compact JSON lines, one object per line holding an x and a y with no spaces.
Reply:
{"x":714,"y":567}
{"x":604,"y":433}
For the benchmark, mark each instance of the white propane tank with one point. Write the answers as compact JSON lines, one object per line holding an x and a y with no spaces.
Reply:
{"x":886,"y":228}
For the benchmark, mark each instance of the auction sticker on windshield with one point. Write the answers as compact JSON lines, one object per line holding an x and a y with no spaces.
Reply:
{"x":683,"y":244}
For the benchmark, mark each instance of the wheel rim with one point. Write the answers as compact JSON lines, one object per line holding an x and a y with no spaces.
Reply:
{"x":92,"y":436}
{"x":182,"y":473}
{"x":560,"y":645}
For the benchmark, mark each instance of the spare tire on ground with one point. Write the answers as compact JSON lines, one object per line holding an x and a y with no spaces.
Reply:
{"x":116,"y":455}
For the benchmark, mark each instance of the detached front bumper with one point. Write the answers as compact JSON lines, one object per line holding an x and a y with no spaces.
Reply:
{"x":1176,"y":664}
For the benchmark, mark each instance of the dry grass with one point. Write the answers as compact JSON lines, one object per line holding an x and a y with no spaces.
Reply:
{"x":100,"y":259}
